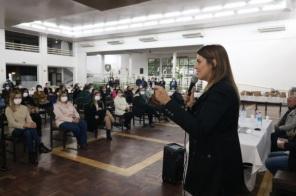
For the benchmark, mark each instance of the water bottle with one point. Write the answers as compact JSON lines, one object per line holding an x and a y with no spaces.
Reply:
{"x":258,"y":120}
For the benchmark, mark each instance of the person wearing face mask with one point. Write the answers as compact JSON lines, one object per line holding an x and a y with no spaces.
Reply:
{"x":141,"y":106}
{"x":5,"y":93}
{"x":34,"y":113}
{"x":173,"y":84}
{"x":129,"y":95}
{"x":21,"y":125}
{"x":84,"y":97}
{"x":97,"y":115}
{"x":67,"y":118}
{"x":39,"y":96}
{"x":123,"y":109}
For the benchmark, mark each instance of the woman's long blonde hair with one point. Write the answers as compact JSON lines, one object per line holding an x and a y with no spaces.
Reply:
{"x":12,"y":95}
{"x":217,"y":56}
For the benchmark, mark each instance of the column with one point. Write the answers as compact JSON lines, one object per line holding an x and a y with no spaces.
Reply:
{"x":42,"y":76}
{"x":80,"y":69}
{"x":174,"y":64}
{"x":130,"y":69}
{"x":2,"y":57}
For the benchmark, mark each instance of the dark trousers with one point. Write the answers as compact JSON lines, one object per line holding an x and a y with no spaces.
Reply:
{"x":127,"y":118}
{"x":38,"y":120}
{"x":150,"y":112}
{"x":78,"y":129}
{"x":31,"y":138}
{"x":274,"y":136}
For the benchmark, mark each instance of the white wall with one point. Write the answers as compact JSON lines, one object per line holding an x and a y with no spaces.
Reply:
{"x":258,"y":59}
{"x":41,"y":59}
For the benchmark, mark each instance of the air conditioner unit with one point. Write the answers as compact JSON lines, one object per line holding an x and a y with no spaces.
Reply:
{"x":271,"y":29}
{"x":193,"y":35}
{"x":87,"y":45}
{"x":117,"y":42}
{"x":148,"y":39}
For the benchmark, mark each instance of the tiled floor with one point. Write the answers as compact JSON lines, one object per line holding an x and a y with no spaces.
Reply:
{"x":129,"y":165}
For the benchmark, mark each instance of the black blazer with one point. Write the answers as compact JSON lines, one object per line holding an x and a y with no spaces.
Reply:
{"x":291,"y":146}
{"x":215,"y":162}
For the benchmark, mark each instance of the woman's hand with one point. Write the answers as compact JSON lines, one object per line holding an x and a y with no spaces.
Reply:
{"x":30,"y":125}
{"x":281,"y":143}
{"x":161,"y":95}
{"x":190,"y":100}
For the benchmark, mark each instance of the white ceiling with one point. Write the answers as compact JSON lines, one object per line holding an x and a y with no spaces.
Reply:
{"x":72,"y":14}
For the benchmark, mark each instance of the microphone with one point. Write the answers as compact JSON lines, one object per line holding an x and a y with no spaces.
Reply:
{"x":193,"y":81}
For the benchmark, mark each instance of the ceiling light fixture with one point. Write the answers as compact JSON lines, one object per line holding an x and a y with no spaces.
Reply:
{"x":235,"y":5}
{"x":193,"y":35}
{"x":271,"y":29}
{"x":223,"y":14}
{"x":212,"y":8}
{"x":248,"y":10}
{"x":191,"y":11}
{"x":256,"y":2}
{"x":203,"y":16}
{"x":172,"y":14}
{"x":167,"y":21}
{"x":117,"y":42}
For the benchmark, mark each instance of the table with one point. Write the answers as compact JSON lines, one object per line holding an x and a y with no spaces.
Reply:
{"x":255,"y":146}
{"x":262,"y":100}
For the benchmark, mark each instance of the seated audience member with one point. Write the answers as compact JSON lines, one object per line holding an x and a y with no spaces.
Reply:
{"x":5,"y":93}
{"x":162,"y":83}
{"x":144,"y":83}
{"x":286,"y":127}
{"x":46,"y":89}
{"x":281,"y":160}
{"x":21,"y":125}
{"x":129,"y":95}
{"x":76,"y":90}
{"x":141,"y":106}
{"x":173,"y":84}
{"x":97,"y":115}
{"x":35,"y":116}
{"x":39,"y":96}
{"x":123,"y":109}
{"x":114,"y":92}
{"x":177,"y":96}
{"x":138,"y":82}
{"x":9,"y":83}
{"x":84,"y":97}
{"x":67,"y":118}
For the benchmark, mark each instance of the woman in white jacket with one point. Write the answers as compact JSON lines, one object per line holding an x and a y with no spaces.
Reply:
{"x":123,"y":109}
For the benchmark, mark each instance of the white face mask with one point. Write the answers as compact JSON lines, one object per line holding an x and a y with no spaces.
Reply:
{"x":17,"y":101}
{"x":39,"y":89}
{"x":142,"y":92}
{"x":64,"y":99}
{"x":97,"y":98}
{"x":7,"y":87}
{"x":25,"y":95}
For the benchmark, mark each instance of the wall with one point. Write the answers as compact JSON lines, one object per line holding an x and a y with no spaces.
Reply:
{"x":258,"y":59}
{"x":42,"y":59}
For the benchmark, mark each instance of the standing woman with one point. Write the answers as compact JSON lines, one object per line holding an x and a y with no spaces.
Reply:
{"x":215,"y":162}
{"x":67,"y":118}
{"x":21,"y":125}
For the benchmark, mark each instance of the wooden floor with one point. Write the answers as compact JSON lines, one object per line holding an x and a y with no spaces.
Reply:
{"x":129,"y":165}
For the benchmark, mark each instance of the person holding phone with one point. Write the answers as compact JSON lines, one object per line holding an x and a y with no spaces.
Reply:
{"x":215,"y":163}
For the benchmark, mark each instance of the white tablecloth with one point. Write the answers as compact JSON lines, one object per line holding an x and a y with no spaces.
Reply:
{"x":255,"y":146}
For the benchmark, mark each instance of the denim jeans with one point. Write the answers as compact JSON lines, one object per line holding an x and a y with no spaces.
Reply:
{"x":31,"y":138}
{"x":78,"y":129}
{"x":277,"y":161}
